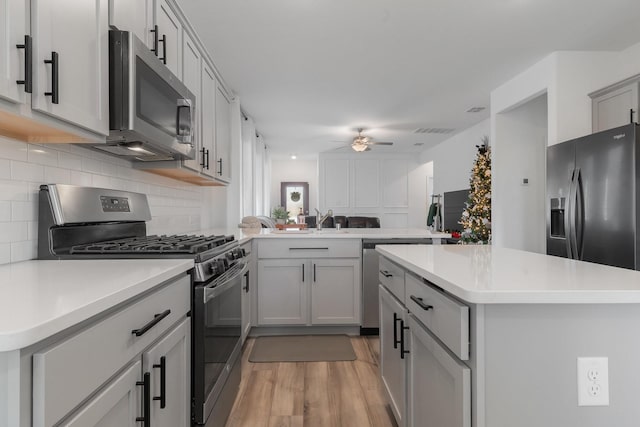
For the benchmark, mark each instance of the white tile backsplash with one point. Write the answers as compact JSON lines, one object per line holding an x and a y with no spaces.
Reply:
{"x":176,"y":207}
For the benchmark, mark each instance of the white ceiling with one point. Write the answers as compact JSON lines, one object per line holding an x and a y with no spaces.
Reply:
{"x":310,"y":72}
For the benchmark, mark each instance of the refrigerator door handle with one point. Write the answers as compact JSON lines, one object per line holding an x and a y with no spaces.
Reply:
{"x":578,"y":238}
{"x":573,"y":209}
{"x":568,"y":224}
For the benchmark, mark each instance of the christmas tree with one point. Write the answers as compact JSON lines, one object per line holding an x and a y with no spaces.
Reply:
{"x":476,"y":218}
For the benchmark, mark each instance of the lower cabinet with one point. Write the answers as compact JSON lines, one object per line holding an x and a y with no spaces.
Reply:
{"x":322,"y":291}
{"x":118,"y":405}
{"x":247,"y":291}
{"x":133,"y":365}
{"x":393,"y":361}
{"x":438,"y":385}
{"x":424,"y":336}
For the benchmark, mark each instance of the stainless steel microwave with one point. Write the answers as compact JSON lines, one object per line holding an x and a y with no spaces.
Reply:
{"x":151,"y":112}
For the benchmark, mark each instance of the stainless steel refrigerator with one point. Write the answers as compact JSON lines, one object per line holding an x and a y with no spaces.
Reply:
{"x":592,"y":198}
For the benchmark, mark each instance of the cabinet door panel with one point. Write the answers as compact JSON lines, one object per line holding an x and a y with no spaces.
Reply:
{"x":223,"y":134}
{"x":395,"y":179}
{"x":192,"y":78}
{"x":14,"y":15}
{"x":392,"y":366}
{"x":176,"y":349}
{"x":612,"y":110}
{"x":282,"y":292}
{"x":208,"y":106}
{"x":438,"y":385}
{"x":132,"y":15}
{"x":335,"y":291}
{"x":367,"y":181}
{"x":78,"y":33}
{"x":117,"y":405}
{"x":336,"y":184}
{"x":170,"y":27}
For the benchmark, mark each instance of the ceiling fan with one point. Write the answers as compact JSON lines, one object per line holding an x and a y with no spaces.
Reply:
{"x":361,"y":142}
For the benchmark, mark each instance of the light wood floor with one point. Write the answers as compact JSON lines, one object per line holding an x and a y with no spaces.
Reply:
{"x":313,"y":394}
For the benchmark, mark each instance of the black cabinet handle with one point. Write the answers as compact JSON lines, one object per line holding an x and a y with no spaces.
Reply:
{"x":54,"y":94}
{"x":421,"y":303}
{"x":163,"y":40}
{"x":155,"y":40}
{"x":396,"y":319}
{"x":302,"y":273}
{"x":385,"y":273}
{"x":163,"y":382}
{"x":220,"y":163}
{"x":314,"y":272}
{"x":28,"y":64}
{"x":402,"y":329}
{"x":156,"y":319}
{"x":246,"y":284}
{"x":207,"y":162}
{"x":202,"y":162}
{"x":631,"y":115}
{"x":146,"y":400}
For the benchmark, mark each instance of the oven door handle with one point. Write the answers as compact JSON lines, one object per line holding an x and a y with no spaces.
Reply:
{"x":226,"y":281}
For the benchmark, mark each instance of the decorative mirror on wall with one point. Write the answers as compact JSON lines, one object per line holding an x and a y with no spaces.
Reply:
{"x":294,"y":197}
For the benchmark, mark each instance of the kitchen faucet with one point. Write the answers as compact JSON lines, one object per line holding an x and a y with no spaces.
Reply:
{"x":320,"y":218}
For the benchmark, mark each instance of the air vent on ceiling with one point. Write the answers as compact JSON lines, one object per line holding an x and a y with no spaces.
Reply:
{"x":475,"y":109}
{"x":434,"y":130}
{"x":418,"y":144}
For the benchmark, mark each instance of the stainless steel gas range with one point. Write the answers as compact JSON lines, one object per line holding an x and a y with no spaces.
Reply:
{"x":92,"y":223}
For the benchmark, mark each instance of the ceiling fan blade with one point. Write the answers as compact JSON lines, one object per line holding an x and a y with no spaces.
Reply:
{"x":379,"y":143}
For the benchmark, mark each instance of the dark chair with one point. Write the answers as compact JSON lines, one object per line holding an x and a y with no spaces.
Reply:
{"x":340,"y":219}
{"x":363,"y":222}
{"x":310,"y":220}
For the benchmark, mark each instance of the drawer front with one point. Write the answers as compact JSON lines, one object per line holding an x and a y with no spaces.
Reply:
{"x":67,"y":373}
{"x":445,"y":317}
{"x":392,"y":277}
{"x":309,"y":248}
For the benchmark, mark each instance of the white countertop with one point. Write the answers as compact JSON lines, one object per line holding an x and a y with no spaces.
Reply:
{"x":243,"y":234}
{"x":41,"y":298}
{"x":488,"y":275}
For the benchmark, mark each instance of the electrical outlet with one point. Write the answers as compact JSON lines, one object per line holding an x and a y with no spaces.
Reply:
{"x":593,"y":381}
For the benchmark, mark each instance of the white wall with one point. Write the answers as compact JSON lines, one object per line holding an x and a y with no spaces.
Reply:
{"x":520,"y":221}
{"x":453,"y":158}
{"x":176,"y":207}
{"x":287,"y":170}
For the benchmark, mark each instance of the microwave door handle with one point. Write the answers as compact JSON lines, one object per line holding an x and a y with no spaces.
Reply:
{"x":183,"y":121}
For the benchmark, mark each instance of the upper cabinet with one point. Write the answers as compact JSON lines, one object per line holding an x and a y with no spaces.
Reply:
{"x":616,"y":105}
{"x":223,"y":134}
{"x":169,"y":33}
{"x":70,"y":61}
{"x":14,"y":21}
{"x":192,"y":78}
{"x":135,"y":16}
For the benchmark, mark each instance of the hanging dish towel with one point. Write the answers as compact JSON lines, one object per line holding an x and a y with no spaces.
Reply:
{"x":433,"y":210}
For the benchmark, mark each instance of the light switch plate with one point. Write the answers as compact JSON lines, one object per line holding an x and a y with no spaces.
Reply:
{"x":593,"y":381}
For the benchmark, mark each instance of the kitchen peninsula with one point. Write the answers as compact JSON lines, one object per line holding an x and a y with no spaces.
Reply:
{"x":501,"y":333}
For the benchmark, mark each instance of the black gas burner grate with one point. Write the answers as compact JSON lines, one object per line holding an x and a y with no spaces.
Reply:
{"x":179,"y":244}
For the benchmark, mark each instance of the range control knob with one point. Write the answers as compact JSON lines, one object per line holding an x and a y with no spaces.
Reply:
{"x":213,"y":268}
{"x":230,"y":256}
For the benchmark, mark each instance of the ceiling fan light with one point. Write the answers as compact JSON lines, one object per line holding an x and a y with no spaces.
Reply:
{"x":359,"y":147}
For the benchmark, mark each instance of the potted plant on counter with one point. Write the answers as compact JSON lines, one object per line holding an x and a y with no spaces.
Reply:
{"x":280,"y":215}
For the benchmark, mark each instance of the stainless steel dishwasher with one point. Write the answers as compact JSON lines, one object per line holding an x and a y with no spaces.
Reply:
{"x":370,"y":313}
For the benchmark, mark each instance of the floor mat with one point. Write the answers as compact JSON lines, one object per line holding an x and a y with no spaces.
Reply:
{"x":302,"y":348}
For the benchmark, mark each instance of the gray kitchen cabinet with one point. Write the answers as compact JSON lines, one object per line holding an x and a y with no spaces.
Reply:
{"x":393,"y":315}
{"x":170,"y":379}
{"x":208,"y":106}
{"x":335,"y":291}
{"x":308,"y":281}
{"x":193,"y":78}
{"x":248,"y":291}
{"x":117,"y":405}
{"x":70,"y":370}
{"x":14,"y":20}
{"x":70,"y":61}
{"x":135,"y":16}
{"x":282,"y":292}
{"x":616,"y":105}
{"x":169,"y":37}
{"x":438,"y":385}
{"x":223,"y":133}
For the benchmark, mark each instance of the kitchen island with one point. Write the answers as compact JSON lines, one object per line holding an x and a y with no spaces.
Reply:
{"x":500,"y":332}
